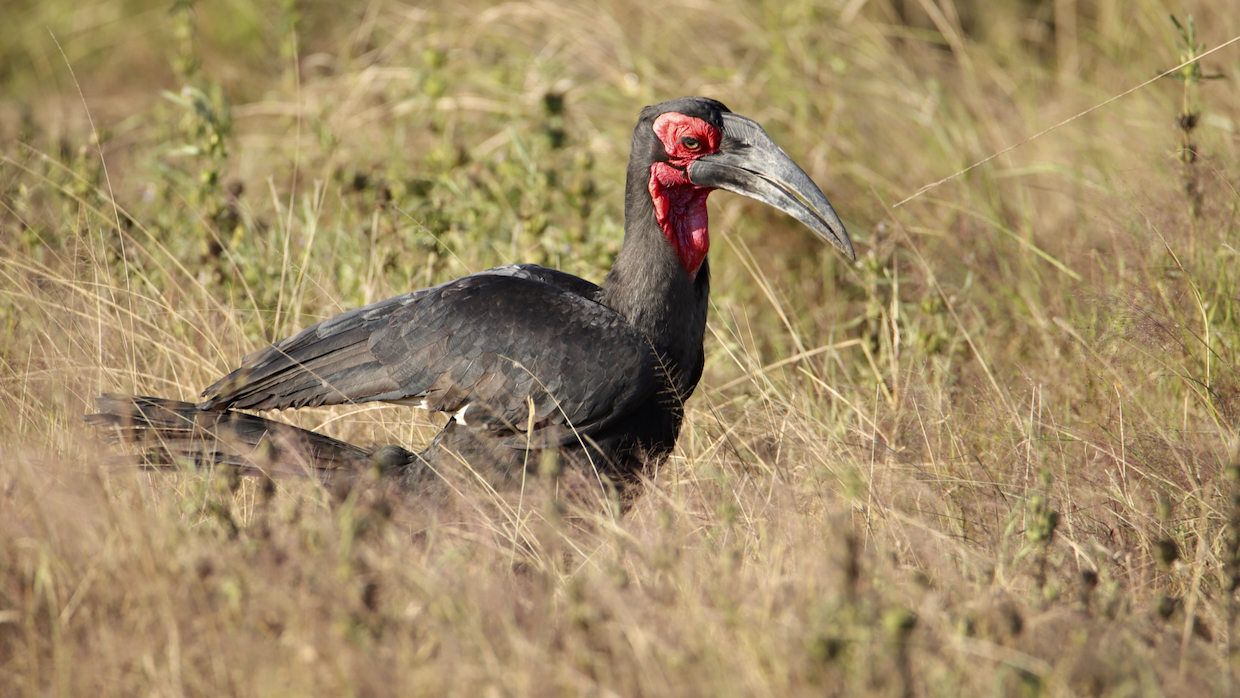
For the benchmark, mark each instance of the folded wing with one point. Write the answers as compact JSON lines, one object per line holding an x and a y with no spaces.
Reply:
{"x":486,"y":347}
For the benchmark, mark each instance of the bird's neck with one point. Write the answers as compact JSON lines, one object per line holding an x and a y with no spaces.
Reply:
{"x":650,"y":284}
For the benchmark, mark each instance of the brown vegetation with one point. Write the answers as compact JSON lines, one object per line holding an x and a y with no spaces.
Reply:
{"x":997,"y":456}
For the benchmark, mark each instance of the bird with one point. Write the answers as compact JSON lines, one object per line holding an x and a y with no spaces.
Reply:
{"x":524,"y":360}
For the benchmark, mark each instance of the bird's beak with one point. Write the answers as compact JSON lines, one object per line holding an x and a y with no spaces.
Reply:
{"x":750,"y":164}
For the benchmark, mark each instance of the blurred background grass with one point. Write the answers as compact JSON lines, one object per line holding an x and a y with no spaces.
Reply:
{"x":996,"y":456}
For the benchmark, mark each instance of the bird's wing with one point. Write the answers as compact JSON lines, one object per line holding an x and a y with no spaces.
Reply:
{"x":485,"y":347}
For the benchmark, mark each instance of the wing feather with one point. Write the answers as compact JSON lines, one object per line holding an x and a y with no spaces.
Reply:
{"x":495,"y":339}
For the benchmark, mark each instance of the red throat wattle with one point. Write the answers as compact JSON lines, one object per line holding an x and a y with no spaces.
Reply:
{"x":680,"y":208}
{"x":680,"y":205}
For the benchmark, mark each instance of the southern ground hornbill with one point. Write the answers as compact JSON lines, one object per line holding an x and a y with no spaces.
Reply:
{"x":522,"y":357}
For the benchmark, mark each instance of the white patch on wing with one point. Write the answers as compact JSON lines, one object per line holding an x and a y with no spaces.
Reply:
{"x":460,"y":415}
{"x":411,"y":402}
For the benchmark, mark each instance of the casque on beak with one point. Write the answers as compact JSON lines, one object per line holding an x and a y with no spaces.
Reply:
{"x":749,"y":163}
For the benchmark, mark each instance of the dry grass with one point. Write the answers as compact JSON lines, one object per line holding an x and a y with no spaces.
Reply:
{"x":997,"y":456}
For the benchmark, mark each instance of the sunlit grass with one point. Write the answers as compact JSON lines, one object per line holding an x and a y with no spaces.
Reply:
{"x":996,"y":456}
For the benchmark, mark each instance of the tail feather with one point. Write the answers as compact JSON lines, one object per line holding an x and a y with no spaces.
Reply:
{"x":167,"y":429}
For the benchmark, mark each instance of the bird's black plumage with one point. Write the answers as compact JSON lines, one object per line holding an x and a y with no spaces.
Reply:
{"x":524,"y":358}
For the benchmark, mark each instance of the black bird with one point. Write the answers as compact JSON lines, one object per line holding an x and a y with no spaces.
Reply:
{"x":522,"y":357}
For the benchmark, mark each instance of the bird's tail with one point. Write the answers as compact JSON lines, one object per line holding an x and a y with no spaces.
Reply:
{"x":165,"y":430}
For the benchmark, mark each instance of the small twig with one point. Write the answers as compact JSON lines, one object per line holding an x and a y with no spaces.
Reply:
{"x":1065,"y":122}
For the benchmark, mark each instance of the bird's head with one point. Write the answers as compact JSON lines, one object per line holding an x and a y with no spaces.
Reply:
{"x":696,"y":145}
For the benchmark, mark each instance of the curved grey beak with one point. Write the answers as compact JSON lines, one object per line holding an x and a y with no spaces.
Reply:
{"x":750,"y":164}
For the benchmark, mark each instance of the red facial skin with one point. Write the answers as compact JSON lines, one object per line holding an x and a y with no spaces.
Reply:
{"x":679,"y":204}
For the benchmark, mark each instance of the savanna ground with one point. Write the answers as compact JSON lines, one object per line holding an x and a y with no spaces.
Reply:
{"x":996,"y":456}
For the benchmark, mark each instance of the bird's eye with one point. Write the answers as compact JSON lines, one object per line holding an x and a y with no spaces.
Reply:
{"x":690,"y":142}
